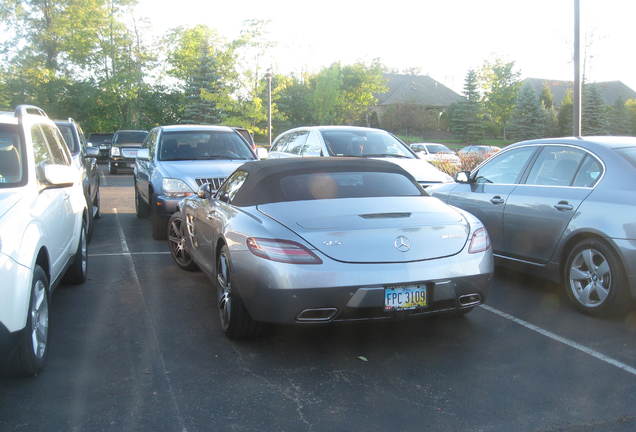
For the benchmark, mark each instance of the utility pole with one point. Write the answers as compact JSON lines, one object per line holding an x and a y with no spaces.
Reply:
{"x":576,"y":105}
{"x":268,"y":75}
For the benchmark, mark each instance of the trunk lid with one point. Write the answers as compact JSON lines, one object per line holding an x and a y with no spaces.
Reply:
{"x":375,"y":230}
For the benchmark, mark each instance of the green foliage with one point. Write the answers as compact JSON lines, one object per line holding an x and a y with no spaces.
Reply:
{"x":500,"y":83}
{"x":528,"y":118}
{"x":594,"y":112}
{"x":564,"y":116}
{"x":619,"y":120}
{"x":546,"y":98}
{"x":630,"y":106}
{"x":465,"y":117}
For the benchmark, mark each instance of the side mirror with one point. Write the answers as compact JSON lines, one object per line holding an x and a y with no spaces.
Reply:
{"x":462,"y":177}
{"x":143,"y":154}
{"x":91,"y":152}
{"x":262,"y":153}
{"x":57,"y":175}
{"x":204,"y":191}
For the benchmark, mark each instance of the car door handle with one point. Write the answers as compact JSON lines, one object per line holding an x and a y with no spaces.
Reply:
{"x":563,"y":206}
{"x":497,"y":200}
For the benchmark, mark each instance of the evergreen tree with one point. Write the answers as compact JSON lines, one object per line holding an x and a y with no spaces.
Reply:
{"x":564,"y":117}
{"x":546,"y":98}
{"x":528,"y":119}
{"x":594,"y":115}
{"x":204,"y":90}
{"x":464,"y":116}
{"x":619,"y":122}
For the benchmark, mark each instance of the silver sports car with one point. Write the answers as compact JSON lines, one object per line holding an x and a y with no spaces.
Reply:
{"x":316,"y":240}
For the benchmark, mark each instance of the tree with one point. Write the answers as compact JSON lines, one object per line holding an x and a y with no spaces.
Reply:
{"x":528,"y":118}
{"x":630,"y":106}
{"x":594,"y":112}
{"x":464,"y":116}
{"x":546,"y":98}
{"x":564,"y":117}
{"x":500,"y":83}
{"x":619,"y":121}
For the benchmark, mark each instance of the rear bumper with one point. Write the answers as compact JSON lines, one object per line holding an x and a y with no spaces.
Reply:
{"x":627,"y":251}
{"x":278,"y":293}
{"x":122,"y":162}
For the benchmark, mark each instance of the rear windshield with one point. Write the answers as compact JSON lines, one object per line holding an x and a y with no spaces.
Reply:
{"x":69,"y":138}
{"x":329,"y":185}
{"x":12,"y":163}
{"x":100,"y":138}
{"x":438,"y":148}
{"x":628,"y":153}
{"x":203,"y":145}
{"x":130,"y":138}
{"x":364,"y":143}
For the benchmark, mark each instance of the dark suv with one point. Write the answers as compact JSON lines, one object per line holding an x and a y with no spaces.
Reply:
{"x":124,"y":149}
{"x":102,"y":141}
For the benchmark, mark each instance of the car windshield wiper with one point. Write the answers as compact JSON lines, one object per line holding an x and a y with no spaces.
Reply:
{"x":386,"y":155}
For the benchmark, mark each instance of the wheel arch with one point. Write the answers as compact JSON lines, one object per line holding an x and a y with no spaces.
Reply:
{"x":575,"y":238}
{"x":43,"y":260}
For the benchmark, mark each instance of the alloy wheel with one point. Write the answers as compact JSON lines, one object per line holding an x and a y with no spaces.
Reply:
{"x":176,"y":241}
{"x":590,"y":278}
{"x":83,"y":250}
{"x":40,"y":320}
{"x":224,"y":291}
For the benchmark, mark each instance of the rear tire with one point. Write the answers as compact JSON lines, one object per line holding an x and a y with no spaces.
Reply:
{"x":76,"y":273}
{"x":141,"y":207}
{"x":177,"y":243}
{"x":236,"y":321}
{"x":96,"y":205}
{"x":594,"y":279}
{"x":159,"y":226}
{"x":31,"y":350}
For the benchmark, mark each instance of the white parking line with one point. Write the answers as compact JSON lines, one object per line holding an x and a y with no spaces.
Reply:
{"x":565,"y":341}
{"x":133,"y":270}
{"x":127,"y":254}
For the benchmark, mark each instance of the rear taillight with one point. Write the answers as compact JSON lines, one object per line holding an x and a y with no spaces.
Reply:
{"x":285,"y":251}
{"x":479,"y":242}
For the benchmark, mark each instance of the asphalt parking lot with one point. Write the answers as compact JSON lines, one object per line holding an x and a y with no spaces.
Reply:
{"x":139,"y":348}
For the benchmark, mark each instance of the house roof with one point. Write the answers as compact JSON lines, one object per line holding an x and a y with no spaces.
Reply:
{"x":416,"y":90}
{"x":610,"y":91}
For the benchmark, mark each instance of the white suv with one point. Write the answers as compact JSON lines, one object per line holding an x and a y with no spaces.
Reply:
{"x":42,"y":232}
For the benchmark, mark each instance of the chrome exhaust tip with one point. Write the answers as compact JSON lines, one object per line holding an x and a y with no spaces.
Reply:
{"x":469,"y":300}
{"x":317,"y":315}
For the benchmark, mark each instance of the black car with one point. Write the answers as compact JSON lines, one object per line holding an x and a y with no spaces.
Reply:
{"x":84,"y":159}
{"x":124,"y":149}
{"x":102,"y":141}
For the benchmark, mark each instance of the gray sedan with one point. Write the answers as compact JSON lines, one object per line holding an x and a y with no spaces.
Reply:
{"x":302,"y":241}
{"x":562,"y":208}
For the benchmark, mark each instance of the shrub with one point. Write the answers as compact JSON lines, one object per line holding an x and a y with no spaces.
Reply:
{"x":467,"y":163}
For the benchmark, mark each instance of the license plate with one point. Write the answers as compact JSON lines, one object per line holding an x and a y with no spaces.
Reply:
{"x":405,"y":298}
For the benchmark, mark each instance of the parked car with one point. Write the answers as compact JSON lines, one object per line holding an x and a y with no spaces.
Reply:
{"x":84,"y":160}
{"x":103,"y":142}
{"x":435,"y":152}
{"x":351,"y":141}
{"x":247,"y":136}
{"x":478,"y":150}
{"x":176,"y":160}
{"x":43,"y":217}
{"x":124,"y":149}
{"x":561,"y":208}
{"x":302,"y":241}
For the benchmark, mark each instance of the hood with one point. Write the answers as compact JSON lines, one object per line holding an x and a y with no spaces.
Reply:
{"x":189,"y":171}
{"x":372,"y":230}
{"x":421,"y":170}
{"x":8,"y":199}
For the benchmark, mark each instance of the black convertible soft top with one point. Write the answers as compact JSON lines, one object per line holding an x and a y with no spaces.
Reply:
{"x":263,"y":177}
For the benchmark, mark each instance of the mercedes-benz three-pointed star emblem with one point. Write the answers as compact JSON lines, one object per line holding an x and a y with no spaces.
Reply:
{"x":402,"y":243}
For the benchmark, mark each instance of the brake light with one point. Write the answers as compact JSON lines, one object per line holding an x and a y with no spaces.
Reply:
{"x":479,"y":242}
{"x":285,"y":251}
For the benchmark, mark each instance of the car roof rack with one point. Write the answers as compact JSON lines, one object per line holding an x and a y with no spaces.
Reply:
{"x":21,"y":110}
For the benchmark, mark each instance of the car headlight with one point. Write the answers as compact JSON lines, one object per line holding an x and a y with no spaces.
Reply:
{"x":175,"y":188}
{"x":114,"y":151}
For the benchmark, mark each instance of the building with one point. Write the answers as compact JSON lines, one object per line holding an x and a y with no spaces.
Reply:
{"x":610,"y":91}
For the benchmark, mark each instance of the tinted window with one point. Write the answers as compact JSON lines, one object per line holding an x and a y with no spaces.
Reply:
{"x":130,"y":137}
{"x":505,"y":168}
{"x":54,"y":151}
{"x":203,"y":145}
{"x":69,"y":138}
{"x":100,"y":138}
{"x":589,"y":173}
{"x":327,"y":185}
{"x":555,"y":166}
{"x":364,"y":143}
{"x":12,"y":164}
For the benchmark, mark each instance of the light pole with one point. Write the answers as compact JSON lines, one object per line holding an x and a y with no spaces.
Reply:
{"x":268,"y":75}
{"x":576,"y":105}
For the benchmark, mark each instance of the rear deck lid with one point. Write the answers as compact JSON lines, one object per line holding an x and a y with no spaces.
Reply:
{"x":375,"y":230}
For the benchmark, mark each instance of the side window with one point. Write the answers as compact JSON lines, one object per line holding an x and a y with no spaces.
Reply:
{"x":150,"y":142}
{"x":280,"y":144}
{"x":589,"y":173}
{"x":555,"y":166}
{"x":47,"y":146}
{"x":297,"y":143}
{"x":82,"y":138}
{"x":233,"y":184}
{"x":505,"y":168}
{"x":313,"y":147}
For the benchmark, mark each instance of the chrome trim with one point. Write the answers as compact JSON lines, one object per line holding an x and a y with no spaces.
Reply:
{"x":329,"y":317}
{"x":518,"y":260}
{"x":471,"y":302}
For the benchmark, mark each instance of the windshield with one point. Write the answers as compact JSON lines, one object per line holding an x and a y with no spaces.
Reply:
{"x":12,"y":164}
{"x":130,"y":137}
{"x":438,"y":148}
{"x":629,"y":153}
{"x":100,"y":138}
{"x":69,"y":137}
{"x":203,"y":145}
{"x":364,"y":143}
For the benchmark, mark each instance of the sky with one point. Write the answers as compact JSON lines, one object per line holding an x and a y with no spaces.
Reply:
{"x":443,"y":38}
